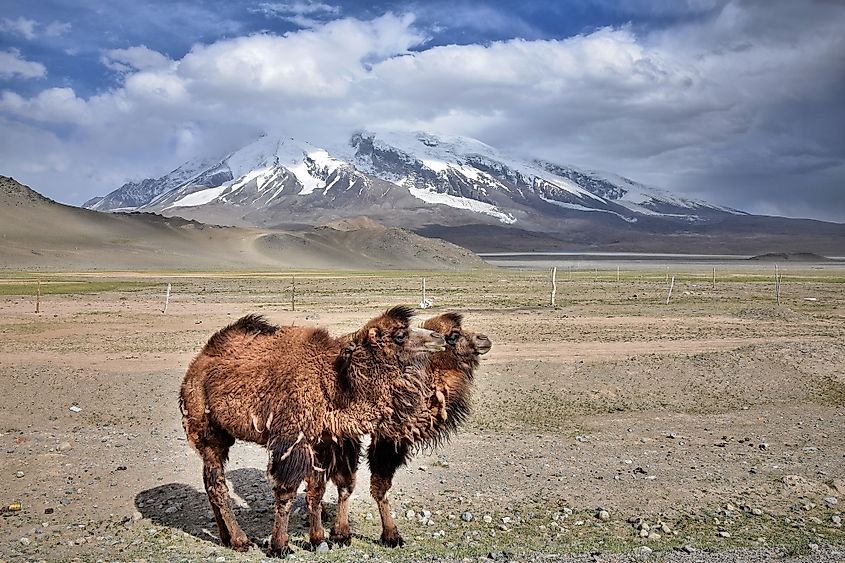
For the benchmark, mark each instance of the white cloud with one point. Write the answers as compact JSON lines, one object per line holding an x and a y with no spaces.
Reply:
{"x":696,"y":106}
{"x":54,"y":105}
{"x":302,"y":13}
{"x":21,"y":26}
{"x":57,"y":29}
{"x":135,"y":58}
{"x":12,"y":65}
{"x":28,"y":28}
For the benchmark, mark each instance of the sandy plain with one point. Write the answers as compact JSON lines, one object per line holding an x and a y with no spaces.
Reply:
{"x":718,"y":420}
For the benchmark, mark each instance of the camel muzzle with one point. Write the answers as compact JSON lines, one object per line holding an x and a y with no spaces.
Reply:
{"x":482,"y":343}
{"x":427,"y":340}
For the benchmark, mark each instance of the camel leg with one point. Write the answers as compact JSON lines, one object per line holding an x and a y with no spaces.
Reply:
{"x":285,"y":496}
{"x":214,"y":479}
{"x":316,"y":489}
{"x":344,"y":478}
{"x":384,"y":458}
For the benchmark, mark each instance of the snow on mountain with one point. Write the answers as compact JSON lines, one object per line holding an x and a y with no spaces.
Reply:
{"x":403,"y":177}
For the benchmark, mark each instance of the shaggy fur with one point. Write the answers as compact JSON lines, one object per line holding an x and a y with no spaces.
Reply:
{"x":302,"y":394}
{"x":450,"y":375}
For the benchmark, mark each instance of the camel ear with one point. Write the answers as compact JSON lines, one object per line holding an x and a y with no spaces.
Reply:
{"x":372,"y":336}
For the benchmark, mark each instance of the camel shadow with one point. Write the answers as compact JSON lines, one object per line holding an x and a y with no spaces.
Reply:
{"x":181,"y":506}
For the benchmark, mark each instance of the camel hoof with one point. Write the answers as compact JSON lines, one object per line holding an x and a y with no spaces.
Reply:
{"x":341,"y":539}
{"x":282,"y":551}
{"x":393,"y":540}
{"x":241,"y":545}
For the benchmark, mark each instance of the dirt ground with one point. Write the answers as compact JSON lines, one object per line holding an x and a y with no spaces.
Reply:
{"x":717,"y":420}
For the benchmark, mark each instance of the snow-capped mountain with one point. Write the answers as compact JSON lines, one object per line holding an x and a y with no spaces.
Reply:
{"x":407,"y":180}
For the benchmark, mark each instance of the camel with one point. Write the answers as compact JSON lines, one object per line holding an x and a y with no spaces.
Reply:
{"x":450,"y":374}
{"x":299,"y":392}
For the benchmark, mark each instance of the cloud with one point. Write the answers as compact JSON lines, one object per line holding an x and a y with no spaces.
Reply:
{"x":27,"y":28}
{"x":134,"y":58}
{"x":306,"y":14}
{"x":13,"y":65}
{"x":21,"y":26}
{"x":739,"y":105}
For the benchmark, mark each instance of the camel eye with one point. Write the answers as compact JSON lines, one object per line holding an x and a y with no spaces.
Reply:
{"x":400,"y":337}
{"x":453,"y":337}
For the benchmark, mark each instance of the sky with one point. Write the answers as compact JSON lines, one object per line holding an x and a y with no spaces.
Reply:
{"x":737,"y":102}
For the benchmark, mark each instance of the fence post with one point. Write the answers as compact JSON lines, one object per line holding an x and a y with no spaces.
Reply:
{"x":672,"y":285}
{"x":166,"y":300}
{"x":554,"y":285}
{"x":293,"y":293}
{"x":38,"y":298}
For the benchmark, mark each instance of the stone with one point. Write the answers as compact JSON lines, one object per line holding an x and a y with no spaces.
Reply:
{"x":664,"y":527}
{"x":221,"y":559}
{"x":323,"y":548}
{"x":723,"y":534}
{"x":466,"y":516}
{"x":645,"y":550}
{"x":654,"y":535}
{"x":487,"y":519}
{"x":830,"y":501}
{"x":756,"y":512}
{"x":604,"y":515}
{"x":688,"y":549}
{"x":763,"y":446}
{"x":24,"y":541}
{"x":19,"y":474}
{"x":410,"y":514}
{"x":836,"y":519}
{"x":643,"y":533}
{"x":137,"y":516}
{"x":64,"y":446}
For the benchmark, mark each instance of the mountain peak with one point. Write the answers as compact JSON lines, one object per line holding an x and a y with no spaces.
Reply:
{"x":403,"y":179}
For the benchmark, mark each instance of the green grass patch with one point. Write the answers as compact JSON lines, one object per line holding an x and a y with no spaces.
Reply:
{"x":68,"y":287}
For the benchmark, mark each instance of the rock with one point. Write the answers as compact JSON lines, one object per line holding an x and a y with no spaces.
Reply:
{"x":756,"y":512}
{"x":19,"y":474}
{"x":645,"y":550}
{"x":24,"y":541}
{"x":688,"y":549}
{"x":836,"y":519}
{"x":730,"y":507}
{"x":643,"y":533}
{"x":487,"y":519}
{"x":813,"y":546}
{"x":137,"y":516}
{"x":654,"y":535}
{"x":644,"y":526}
{"x":64,"y":446}
{"x":221,"y":559}
{"x":466,"y":516}
{"x":763,"y":446}
{"x":839,"y":485}
{"x":410,"y":514}
{"x":830,"y":501}
{"x":604,"y":515}
{"x":664,"y":527}
{"x":171,"y":509}
{"x":75,"y":408}
{"x":323,"y":548}
{"x":506,"y":520}
{"x":723,"y":534}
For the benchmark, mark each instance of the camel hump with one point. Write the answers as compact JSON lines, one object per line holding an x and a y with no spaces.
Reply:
{"x":249,"y":324}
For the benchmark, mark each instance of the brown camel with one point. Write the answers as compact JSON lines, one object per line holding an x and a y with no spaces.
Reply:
{"x":297,"y":391}
{"x":450,"y":379}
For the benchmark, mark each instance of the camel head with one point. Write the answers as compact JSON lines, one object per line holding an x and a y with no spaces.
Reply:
{"x":464,"y":345}
{"x":391,"y":335}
